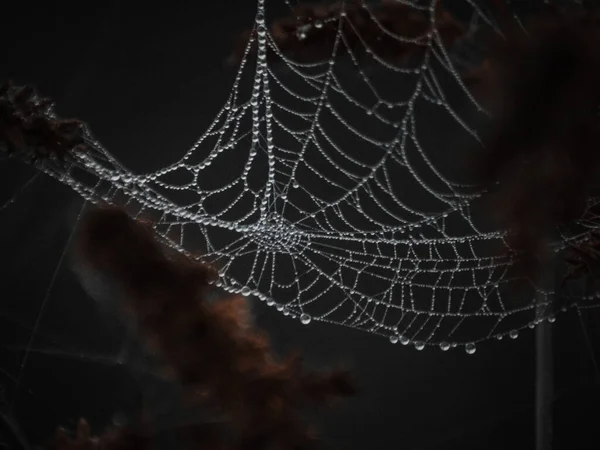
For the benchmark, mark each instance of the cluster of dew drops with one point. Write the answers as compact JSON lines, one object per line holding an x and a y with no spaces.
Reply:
{"x":470,"y":348}
{"x":419,"y":345}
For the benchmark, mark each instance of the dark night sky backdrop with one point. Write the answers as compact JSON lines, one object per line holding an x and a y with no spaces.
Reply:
{"x":149,"y":81}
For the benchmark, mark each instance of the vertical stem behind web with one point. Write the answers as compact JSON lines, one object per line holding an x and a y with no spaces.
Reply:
{"x":589,"y":345}
{"x":544,"y":366}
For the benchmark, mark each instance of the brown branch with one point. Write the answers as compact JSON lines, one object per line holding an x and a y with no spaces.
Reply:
{"x":29,"y":127}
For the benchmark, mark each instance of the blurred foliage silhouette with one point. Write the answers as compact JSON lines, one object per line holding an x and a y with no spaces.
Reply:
{"x":211,"y":348}
{"x":29,"y":128}
{"x":540,"y":84}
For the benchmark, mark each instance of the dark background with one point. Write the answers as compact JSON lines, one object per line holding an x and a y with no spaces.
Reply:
{"x":149,"y":81}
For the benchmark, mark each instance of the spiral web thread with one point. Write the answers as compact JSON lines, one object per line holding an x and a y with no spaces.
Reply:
{"x":320,"y":189}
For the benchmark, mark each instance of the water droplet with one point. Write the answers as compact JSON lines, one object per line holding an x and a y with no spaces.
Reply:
{"x":270,"y":302}
{"x":445,"y":346}
{"x":531,"y":325}
{"x":279,"y":308}
{"x":470,"y":348}
{"x":499,"y":337}
{"x":305,"y":319}
{"x":404,"y":340}
{"x":419,"y":345}
{"x":551,"y":319}
{"x":394,"y":339}
{"x":513,"y":334}
{"x":318,"y":24}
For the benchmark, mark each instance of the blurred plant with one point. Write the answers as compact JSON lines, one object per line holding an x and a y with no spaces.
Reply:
{"x":211,"y":348}
{"x":583,"y":259}
{"x":540,"y":84}
{"x":113,"y":439}
{"x":29,"y":128}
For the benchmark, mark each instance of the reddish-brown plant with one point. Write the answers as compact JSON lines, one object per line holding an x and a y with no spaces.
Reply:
{"x":542,"y":87}
{"x":112,"y":439}
{"x":211,"y":347}
{"x":30,"y":129}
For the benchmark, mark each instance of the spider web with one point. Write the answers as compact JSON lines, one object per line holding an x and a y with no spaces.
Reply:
{"x":327,"y":190}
